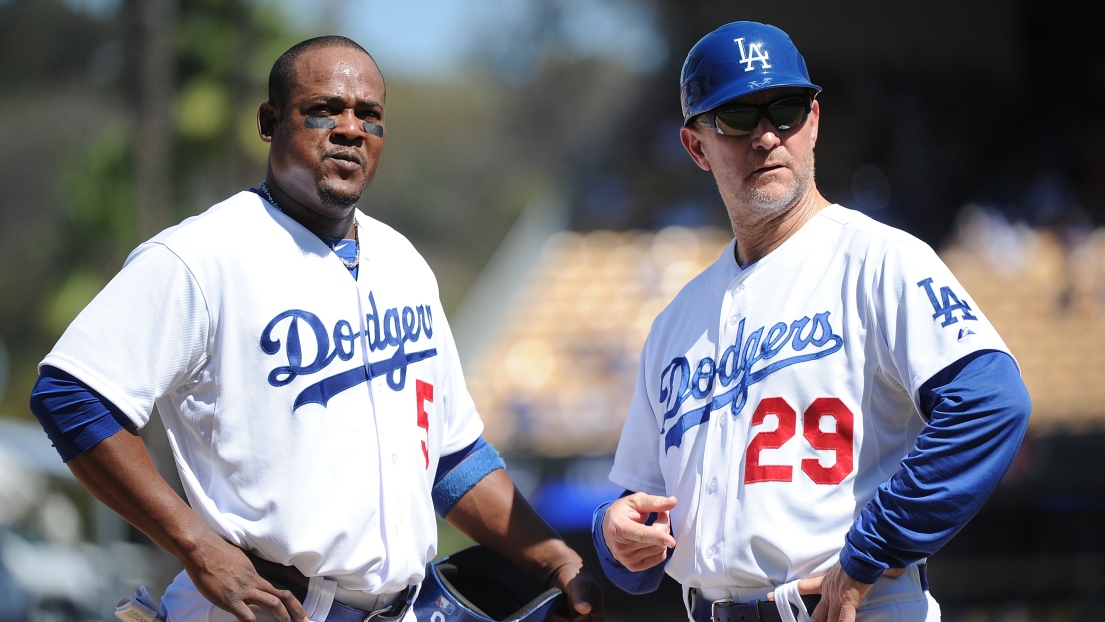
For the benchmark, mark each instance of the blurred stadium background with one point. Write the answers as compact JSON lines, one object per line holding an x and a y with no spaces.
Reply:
{"x":533,"y":158}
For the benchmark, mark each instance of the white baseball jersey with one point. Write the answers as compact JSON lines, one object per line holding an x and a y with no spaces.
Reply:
{"x":306,"y":411}
{"x":773,"y":400}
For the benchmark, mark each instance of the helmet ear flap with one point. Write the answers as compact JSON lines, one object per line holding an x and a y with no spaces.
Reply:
{"x":476,"y":585}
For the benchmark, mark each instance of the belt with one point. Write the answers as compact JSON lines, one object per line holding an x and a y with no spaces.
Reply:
{"x":290,"y":578}
{"x":726,"y":610}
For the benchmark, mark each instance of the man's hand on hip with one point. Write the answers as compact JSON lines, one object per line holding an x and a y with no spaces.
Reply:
{"x":225,"y":576}
{"x":841,"y":595}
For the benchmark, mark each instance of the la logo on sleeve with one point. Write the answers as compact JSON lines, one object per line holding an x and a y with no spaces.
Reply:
{"x":947,"y":304}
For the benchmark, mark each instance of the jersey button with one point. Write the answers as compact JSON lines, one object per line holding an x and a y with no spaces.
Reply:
{"x":710,"y":552}
{"x":394,"y":458}
{"x":733,"y":320}
{"x":713,"y":486}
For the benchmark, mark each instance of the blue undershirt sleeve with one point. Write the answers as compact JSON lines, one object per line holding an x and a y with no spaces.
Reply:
{"x":457,"y":473}
{"x":641,"y":582}
{"x":74,"y":416}
{"x":978,"y":409}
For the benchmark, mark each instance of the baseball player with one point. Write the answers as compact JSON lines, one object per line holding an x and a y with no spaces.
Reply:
{"x":820,"y":409}
{"x":308,"y":381}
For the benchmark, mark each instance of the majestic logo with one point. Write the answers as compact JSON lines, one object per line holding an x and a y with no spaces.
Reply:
{"x":755,"y":52}
{"x":807,"y":339}
{"x":947,"y":304}
{"x":394,"y":328}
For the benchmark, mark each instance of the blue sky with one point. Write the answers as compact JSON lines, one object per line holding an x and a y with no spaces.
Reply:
{"x":431,"y":38}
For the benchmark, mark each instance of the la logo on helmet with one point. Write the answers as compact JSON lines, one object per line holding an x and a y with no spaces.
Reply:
{"x":754,"y":53}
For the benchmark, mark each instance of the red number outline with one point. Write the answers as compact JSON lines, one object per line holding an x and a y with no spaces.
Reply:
{"x":753,"y":470}
{"x":424,"y":392}
{"x":841,"y":441}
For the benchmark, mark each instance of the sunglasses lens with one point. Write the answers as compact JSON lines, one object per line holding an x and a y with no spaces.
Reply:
{"x":788,"y":113}
{"x":738,"y":120}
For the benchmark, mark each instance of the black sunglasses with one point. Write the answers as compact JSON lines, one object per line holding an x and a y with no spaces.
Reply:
{"x":785,"y":113}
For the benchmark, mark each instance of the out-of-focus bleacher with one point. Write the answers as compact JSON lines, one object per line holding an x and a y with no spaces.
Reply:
{"x":556,"y":377}
{"x":1044,"y":291}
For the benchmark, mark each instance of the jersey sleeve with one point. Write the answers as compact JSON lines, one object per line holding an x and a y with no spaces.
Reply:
{"x":637,"y":459}
{"x":463,"y":424}
{"x":141,"y":337}
{"x":978,"y":409}
{"x":640,"y":582}
{"x":926,"y":318}
{"x":74,"y":417}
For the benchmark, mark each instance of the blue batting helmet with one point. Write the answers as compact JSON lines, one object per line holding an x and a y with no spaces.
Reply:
{"x":476,"y":585}
{"x":738,"y":59}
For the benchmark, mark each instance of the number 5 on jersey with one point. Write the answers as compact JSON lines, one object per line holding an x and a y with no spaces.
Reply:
{"x":839,"y":440}
{"x":424,"y":392}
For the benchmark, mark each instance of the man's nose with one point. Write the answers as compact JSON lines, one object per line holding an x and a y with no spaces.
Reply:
{"x":765,"y":135}
{"x":349,"y":126}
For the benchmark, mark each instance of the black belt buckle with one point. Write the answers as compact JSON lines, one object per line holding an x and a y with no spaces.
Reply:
{"x":728,"y":610}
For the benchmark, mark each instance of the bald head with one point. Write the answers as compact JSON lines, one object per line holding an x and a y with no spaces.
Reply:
{"x":282,"y":76}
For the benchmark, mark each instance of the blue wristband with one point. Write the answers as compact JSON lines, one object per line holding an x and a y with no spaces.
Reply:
{"x":478,"y":460}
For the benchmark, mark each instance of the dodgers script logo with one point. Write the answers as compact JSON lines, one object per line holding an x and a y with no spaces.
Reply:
{"x":755,"y":52}
{"x":808,"y":340}
{"x":394,"y":328}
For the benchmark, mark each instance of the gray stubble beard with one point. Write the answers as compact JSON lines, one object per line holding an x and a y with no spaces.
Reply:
{"x":767,"y":206}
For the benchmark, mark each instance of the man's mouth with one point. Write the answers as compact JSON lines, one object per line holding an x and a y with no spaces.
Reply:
{"x":349,"y":161}
{"x":345,"y":156}
{"x":768,"y":167}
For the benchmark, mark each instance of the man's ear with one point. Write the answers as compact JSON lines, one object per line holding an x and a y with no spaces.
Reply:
{"x":267,"y":116}
{"x":692,"y":142}
{"x":814,"y":120}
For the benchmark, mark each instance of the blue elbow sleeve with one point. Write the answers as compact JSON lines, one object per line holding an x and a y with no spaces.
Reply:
{"x":459,"y":472}
{"x":74,"y":416}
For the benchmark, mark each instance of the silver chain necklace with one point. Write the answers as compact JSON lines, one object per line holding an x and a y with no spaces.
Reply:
{"x":264,"y":188}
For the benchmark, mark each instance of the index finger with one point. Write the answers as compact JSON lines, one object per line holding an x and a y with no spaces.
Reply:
{"x":647,"y":504}
{"x":292,"y":604}
{"x":281,"y":604}
{"x":651,"y":535}
{"x":810,"y":585}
